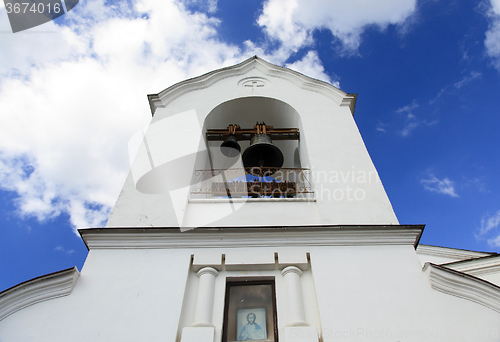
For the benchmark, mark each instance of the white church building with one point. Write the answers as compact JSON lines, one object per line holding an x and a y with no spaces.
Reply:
{"x":253,"y":212}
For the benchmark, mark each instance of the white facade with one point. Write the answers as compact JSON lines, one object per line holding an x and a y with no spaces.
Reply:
{"x":342,"y":267}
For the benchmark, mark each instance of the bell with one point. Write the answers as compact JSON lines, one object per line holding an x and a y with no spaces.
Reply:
{"x":262,"y":153}
{"x":230,"y":147}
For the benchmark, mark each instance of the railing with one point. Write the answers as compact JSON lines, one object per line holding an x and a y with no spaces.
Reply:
{"x":256,"y":182}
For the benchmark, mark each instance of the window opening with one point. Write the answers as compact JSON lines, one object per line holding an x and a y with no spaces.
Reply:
{"x":250,"y":312}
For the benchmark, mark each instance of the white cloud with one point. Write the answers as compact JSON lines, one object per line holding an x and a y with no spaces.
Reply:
{"x":441,"y":186}
{"x":408,"y":108}
{"x":71,"y":99}
{"x":35,"y":47}
{"x":279,"y":22}
{"x":311,"y":65}
{"x":381,"y":127}
{"x":492,"y":40}
{"x":495,"y":4}
{"x":449,"y":89}
{"x":411,"y":121}
{"x":489,"y":222}
{"x":409,"y":126}
{"x":489,"y":225}
{"x":494,"y":242}
{"x":292,"y":22}
{"x":467,"y":78}
{"x":64,"y":250}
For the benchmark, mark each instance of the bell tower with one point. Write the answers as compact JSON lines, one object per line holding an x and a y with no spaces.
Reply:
{"x":251,"y":145}
{"x":248,"y":170}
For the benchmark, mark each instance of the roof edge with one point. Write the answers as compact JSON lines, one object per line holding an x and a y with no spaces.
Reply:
{"x":173,"y":237}
{"x":453,"y":253}
{"x":463,"y":285}
{"x":163,"y":98}
{"x":36,"y":290}
{"x":489,"y":264}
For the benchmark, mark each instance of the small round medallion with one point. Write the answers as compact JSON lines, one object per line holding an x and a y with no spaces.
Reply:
{"x":253,"y":84}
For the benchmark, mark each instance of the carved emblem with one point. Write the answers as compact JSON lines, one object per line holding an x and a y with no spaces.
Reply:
{"x":253,"y":84}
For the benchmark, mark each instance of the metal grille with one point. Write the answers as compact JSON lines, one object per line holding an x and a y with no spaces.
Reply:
{"x":256,"y":182}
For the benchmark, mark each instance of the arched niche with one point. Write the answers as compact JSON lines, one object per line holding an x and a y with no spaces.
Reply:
{"x":246,"y":112}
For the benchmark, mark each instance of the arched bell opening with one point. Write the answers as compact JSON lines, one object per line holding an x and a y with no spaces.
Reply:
{"x":254,"y":136}
{"x":246,"y":112}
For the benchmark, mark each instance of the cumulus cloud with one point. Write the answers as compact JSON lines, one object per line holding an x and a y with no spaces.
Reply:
{"x":311,"y":66}
{"x":70,"y":99}
{"x":442,"y":186}
{"x":72,"y":95}
{"x":39,"y":45}
{"x":280,"y":23}
{"x":292,"y":22}
{"x":492,"y":40}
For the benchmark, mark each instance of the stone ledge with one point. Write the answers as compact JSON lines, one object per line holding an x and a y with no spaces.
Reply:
{"x":370,"y":235}
{"x":452,"y":253}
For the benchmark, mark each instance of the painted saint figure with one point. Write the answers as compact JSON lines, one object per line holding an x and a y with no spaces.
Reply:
{"x":251,"y":331}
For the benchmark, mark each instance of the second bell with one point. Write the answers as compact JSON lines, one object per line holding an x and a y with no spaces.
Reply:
{"x":230,"y":147}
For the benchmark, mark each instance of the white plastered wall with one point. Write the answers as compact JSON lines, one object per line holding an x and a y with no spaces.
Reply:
{"x":121,"y":295}
{"x":350,"y":293}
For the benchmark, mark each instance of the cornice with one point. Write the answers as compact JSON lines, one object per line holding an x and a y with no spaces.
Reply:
{"x":463,"y":285}
{"x":36,"y":290}
{"x":479,"y":266}
{"x":162,"y":99}
{"x":111,"y":238}
{"x":452,"y":253}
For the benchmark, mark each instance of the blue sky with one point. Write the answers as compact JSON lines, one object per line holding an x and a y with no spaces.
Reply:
{"x":73,"y":92}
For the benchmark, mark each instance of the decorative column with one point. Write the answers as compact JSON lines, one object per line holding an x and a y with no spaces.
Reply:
{"x":205,"y":298}
{"x":202,"y":330}
{"x":291,"y":275}
{"x":296,"y":329}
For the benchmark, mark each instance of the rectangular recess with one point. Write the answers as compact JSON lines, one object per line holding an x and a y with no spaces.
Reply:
{"x":244,"y":298}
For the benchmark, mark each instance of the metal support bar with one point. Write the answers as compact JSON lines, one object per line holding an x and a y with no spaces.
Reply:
{"x":248,"y":133}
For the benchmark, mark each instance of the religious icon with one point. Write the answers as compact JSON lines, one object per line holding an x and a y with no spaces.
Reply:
{"x":252,"y":324}
{"x":250,"y":311}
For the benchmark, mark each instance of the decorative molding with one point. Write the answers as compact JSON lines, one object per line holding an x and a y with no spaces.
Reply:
{"x":291,"y":269}
{"x":207,"y":270}
{"x":452,"y":253}
{"x":463,"y":285}
{"x":350,"y":101}
{"x":254,"y":83}
{"x":478,"y":267}
{"x":162,"y":99}
{"x":36,"y":290}
{"x":370,"y":235}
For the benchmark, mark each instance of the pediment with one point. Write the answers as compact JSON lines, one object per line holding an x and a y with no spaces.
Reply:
{"x":163,"y":98}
